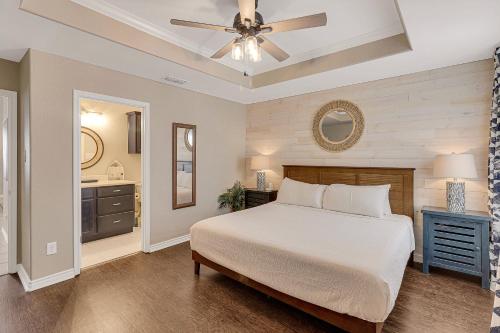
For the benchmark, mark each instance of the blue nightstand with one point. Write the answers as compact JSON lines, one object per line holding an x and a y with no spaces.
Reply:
{"x":457,"y":242}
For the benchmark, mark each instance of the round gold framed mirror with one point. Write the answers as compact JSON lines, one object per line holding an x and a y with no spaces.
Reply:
{"x":92,"y":148}
{"x":338,"y":125}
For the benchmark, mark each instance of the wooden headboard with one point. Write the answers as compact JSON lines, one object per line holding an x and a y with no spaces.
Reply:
{"x":401,"y":180}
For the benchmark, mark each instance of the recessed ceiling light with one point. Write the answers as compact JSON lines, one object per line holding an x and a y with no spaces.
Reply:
{"x":174,"y":80}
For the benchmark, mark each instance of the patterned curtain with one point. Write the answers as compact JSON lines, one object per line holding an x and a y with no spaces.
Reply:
{"x":494,"y":171}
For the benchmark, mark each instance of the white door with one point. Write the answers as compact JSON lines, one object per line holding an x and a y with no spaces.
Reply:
{"x":4,"y":226}
{"x":8,"y":188}
{"x":4,"y":199}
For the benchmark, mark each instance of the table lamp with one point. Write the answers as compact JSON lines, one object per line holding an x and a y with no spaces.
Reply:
{"x":260,"y":163}
{"x":458,"y":167}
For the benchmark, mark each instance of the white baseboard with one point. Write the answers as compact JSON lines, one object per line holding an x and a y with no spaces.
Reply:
{"x":417,"y":257}
{"x":23,"y":276}
{"x":170,"y":242}
{"x":5,"y":236}
{"x":31,"y":285}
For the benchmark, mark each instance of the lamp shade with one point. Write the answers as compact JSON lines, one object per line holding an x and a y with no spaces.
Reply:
{"x":455,"y":166}
{"x":260,"y":162}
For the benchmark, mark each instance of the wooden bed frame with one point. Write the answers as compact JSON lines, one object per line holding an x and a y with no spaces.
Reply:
{"x":400,"y":197}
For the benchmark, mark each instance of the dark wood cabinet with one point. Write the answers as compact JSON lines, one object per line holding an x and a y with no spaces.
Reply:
{"x":107,"y":211}
{"x":134,"y":132}
{"x":89,"y":228}
{"x":254,"y":197}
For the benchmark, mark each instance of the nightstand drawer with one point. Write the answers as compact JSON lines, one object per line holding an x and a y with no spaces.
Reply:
{"x":254,"y":198}
{"x":454,"y":226}
{"x":256,"y":201}
{"x":455,"y":243}
{"x":258,"y":196}
{"x":454,"y":257}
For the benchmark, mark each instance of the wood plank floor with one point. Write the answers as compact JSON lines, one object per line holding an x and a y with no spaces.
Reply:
{"x":159,"y":293}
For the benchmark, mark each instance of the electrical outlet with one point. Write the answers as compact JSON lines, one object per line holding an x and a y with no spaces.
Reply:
{"x":51,"y":248}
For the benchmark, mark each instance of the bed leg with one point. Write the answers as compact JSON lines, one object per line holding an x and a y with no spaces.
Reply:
{"x":411,"y":262}
{"x":196,"y":268}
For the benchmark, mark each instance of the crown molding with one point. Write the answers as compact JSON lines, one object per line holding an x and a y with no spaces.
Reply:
{"x":369,"y":37}
{"x":73,"y":14}
{"x":85,"y":19}
{"x":126,"y":17}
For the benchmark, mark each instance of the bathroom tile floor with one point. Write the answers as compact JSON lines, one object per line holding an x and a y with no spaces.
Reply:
{"x":107,"y":249}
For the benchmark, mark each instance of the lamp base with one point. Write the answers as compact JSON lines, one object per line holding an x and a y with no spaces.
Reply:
{"x":261,"y":180}
{"x":455,"y":194}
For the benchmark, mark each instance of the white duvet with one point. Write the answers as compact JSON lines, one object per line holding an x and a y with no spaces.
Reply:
{"x":346,"y":263}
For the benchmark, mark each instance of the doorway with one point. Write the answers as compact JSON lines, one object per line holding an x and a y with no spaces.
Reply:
{"x":8,"y":191}
{"x":110,"y":178}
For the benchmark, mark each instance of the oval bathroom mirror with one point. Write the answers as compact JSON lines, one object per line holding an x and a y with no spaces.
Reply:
{"x":92,"y":148}
{"x":188,"y":139}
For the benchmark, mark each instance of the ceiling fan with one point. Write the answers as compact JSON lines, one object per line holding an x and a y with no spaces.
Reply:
{"x":250,"y":25}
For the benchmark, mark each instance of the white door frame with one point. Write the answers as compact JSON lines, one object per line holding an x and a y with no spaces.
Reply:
{"x":145,"y":169}
{"x":10,"y":97}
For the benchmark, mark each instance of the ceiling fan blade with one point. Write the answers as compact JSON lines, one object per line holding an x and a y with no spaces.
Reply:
{"x":273,"y":49}
{"x":247,"y":10}
{"x":223,"y":51}
{"x":192,"y":24}
{"x":311,"y":21}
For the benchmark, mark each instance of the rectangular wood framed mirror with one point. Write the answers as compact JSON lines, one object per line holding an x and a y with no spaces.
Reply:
{"x":183,"y":165}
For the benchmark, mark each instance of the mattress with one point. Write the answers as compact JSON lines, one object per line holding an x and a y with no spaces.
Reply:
{"x":350,"y":264}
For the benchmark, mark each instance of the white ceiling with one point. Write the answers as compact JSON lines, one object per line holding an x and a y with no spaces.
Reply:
{"x":350,"y":23}
{"x":442,"y":33}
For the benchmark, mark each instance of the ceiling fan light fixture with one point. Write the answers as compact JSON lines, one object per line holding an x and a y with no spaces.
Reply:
{"x":252,"y":49}
{"x":237,"y":51}
{"x":249,"y":24}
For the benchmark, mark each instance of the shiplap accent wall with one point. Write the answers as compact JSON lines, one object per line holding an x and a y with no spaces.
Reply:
{"x":409,"y":119}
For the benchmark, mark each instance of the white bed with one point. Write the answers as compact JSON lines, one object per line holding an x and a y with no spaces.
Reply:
{"x":350,"y":264}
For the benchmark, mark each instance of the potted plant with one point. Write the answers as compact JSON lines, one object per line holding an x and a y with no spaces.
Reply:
{"x":233,"y":198}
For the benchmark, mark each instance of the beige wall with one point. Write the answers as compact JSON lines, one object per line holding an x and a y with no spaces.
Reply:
{"x":409,"y":119}
{"x":114,"y":134}
{"x":9,"y":75}
{"x":220,"y":148}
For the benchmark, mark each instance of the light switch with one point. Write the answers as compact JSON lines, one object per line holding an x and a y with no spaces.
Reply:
{"x":51,"y":248}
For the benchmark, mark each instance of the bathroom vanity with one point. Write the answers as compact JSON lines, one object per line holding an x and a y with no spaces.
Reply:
{"x":108,"y":209}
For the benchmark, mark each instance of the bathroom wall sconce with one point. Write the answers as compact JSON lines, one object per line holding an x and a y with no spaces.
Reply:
{"x":90,"y":118}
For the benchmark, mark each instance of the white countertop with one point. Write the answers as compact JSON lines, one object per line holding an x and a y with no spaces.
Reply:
{"x":102,"y":183}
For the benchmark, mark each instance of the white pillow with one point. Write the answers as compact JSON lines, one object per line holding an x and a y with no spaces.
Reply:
{"x":360,"y":200}
{"x":293,"y":192}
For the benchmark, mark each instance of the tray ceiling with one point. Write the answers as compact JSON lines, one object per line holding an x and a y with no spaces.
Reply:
{"x":442,"y":33}
{"x":350,"y":23}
